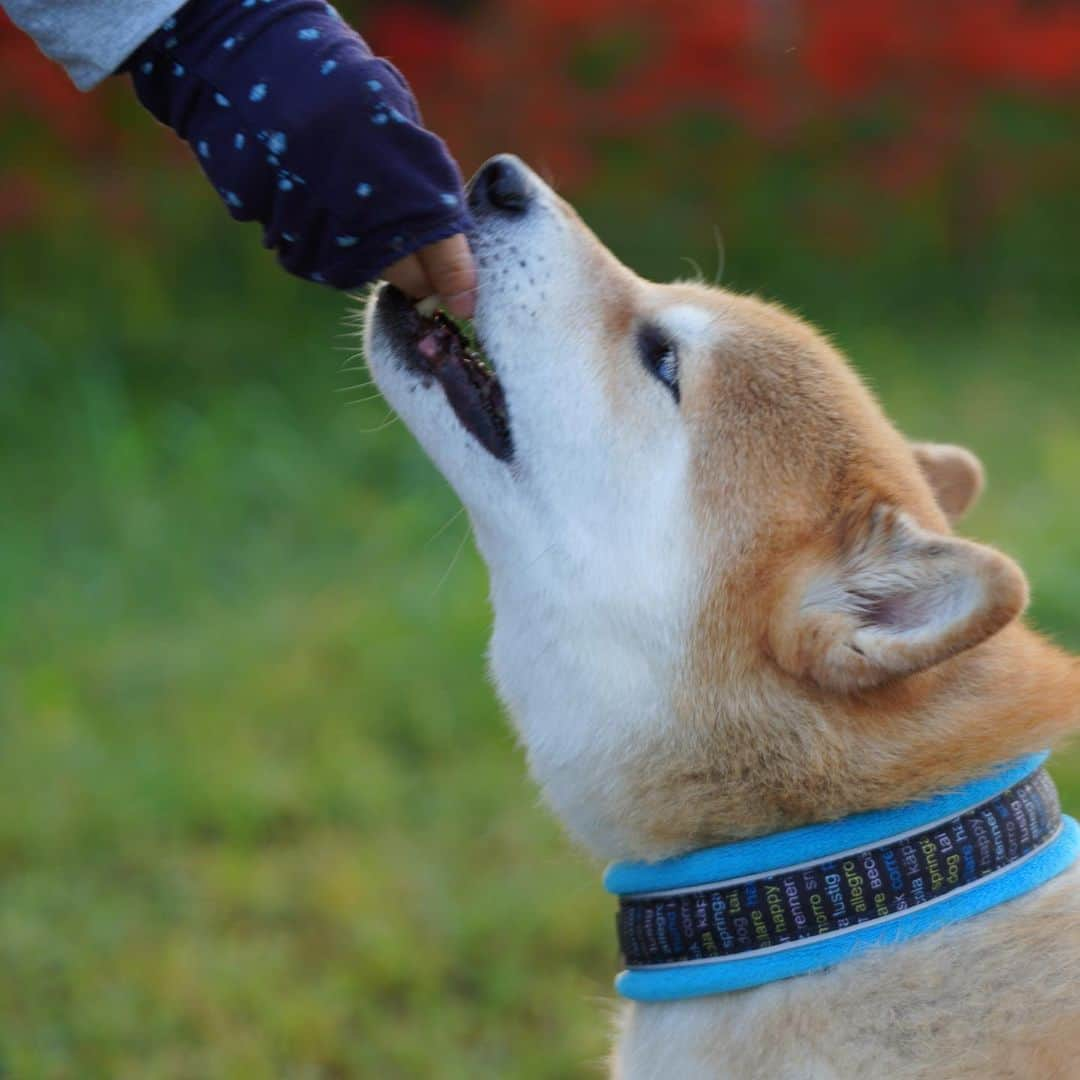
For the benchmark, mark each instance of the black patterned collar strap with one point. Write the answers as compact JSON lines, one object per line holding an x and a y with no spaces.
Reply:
{"x":748,"y":913}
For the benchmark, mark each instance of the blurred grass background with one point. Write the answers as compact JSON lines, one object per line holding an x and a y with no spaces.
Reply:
{"x":259,"y":815}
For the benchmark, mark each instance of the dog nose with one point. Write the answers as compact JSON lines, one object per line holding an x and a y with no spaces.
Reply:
{"x":501,"y":184}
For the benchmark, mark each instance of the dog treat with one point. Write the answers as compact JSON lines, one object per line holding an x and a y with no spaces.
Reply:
{"x":427,"y":307}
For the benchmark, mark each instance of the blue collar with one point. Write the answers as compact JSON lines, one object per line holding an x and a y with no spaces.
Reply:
{"x":751,"y":912}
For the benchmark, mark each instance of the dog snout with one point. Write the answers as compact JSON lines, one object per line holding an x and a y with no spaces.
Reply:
{"x":501,"y":184}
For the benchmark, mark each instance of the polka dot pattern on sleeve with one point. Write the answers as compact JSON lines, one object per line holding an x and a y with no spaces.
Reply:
{"x":300,"y":127}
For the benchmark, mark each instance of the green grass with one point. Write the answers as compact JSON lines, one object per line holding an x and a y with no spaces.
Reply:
{"x":259,"y":815}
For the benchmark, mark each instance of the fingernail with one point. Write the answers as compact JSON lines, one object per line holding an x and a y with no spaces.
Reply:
{"x":461,"y":304}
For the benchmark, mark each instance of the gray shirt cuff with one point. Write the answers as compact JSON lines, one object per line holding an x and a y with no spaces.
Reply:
{"x":89,"y":38}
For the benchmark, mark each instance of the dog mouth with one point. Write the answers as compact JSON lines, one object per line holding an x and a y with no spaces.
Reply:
{"x":435,"y":347}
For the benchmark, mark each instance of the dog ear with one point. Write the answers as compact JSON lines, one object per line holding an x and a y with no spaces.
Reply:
{"x":885,"y":598}
{"x":954,"y":474}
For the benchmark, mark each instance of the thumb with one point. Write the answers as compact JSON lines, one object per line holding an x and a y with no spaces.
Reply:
{"x":452,"y":273}
{"x":409,"y":276}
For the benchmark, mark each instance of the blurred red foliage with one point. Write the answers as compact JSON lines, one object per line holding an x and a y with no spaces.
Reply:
{"x":31,"y":86}
{"x":769,"y":65}
{"x":554,"y":79}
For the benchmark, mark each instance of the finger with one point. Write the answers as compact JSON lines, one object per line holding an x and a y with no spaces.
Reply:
{"x":409,"y":276}
{"x":452,"y":273}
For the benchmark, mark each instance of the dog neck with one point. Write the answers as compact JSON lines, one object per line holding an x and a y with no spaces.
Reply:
{"x":658,"y":778}
{"x":644,"y":758}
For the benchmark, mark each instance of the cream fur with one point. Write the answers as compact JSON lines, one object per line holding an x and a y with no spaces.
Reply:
{"x":978,"y":1000}
{"x":741,"y":612}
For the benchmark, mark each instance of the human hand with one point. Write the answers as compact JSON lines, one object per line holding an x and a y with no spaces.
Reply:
{"x":300,"y":127}
{"x":444,"y":269}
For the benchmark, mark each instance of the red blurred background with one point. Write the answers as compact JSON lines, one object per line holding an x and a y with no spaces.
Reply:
{"x":966,"y":105}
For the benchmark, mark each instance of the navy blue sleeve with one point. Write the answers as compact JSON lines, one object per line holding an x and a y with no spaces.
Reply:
{"x":299,"y":127}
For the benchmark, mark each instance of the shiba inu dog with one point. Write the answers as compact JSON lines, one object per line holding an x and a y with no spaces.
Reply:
{"x":728,"y":604}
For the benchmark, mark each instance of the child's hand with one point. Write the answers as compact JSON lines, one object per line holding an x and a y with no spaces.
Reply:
{"x":445,"y":269}
{"x":299,"y":127}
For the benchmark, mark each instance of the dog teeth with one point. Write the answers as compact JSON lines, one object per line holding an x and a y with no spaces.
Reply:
{"x":445,"y":341}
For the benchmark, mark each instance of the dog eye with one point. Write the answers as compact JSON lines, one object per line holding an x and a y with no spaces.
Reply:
{"x":660,"y":357}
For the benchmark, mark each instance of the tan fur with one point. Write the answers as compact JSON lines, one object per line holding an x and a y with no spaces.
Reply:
{"x":818,"y":646}
{"x":789,"y":439}
{"x":955,"y":475}
{"x":844,"y":652}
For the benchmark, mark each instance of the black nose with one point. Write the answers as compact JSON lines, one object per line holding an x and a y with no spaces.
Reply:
{"x":501,"y":184}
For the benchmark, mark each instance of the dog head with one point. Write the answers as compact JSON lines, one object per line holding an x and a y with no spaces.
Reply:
{"x":715,"y":563}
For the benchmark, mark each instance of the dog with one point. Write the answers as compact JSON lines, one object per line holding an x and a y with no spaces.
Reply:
{"x":729,"y":603}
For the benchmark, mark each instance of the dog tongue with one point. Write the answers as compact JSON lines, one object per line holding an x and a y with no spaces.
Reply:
{"x":439,"y":343}
{"x":428,"y":345}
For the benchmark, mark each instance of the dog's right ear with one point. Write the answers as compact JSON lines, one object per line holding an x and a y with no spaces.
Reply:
{"x":954,"y":474}
{"x":880,"y":597}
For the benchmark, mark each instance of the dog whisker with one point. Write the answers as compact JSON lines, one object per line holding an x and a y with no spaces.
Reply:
{"x":444,"y":526}
{"x":453,"y":562}
{"x":362,"y":401}
{"x":389,"y":422}
{"x":721,"y":254}
{"x":699,"y":274}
